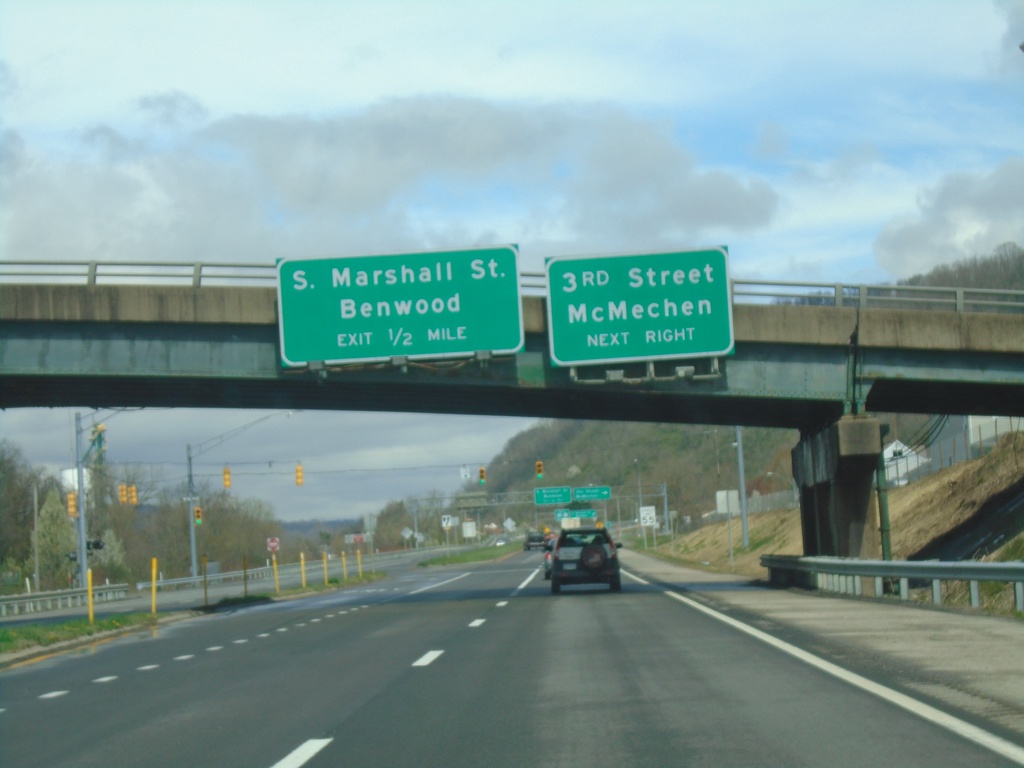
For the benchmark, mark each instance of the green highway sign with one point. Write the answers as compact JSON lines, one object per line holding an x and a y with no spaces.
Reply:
{"x":591,"y":493}
{"x":657,"y":306}
{"x":359,"y":309}
{"x":561,"y":494}
{"x":565,"y":514}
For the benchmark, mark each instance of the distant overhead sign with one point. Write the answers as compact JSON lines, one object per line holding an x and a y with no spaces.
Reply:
{"x":561,"y":494}
{"x":416,"y":305}
{"x":592,"y":492}
{"x":607,"y":309}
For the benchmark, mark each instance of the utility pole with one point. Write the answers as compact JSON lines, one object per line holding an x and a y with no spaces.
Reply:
{"x":83,"y":565}
{"x":743,"y":487}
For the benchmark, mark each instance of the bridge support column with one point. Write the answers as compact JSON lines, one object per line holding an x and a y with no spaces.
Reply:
{"x":834,"y":470}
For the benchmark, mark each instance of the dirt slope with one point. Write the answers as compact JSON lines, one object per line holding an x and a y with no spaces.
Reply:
{"x":919,"y":513}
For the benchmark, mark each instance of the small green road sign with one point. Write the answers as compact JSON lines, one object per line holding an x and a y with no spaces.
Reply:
{"x":591,"y":493}
{"x":560,"y":494}
{"x":359,"y":309}
{"x":568,"y":514}
{"x":657,"y":306}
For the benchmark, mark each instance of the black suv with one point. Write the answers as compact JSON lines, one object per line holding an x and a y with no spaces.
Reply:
{"x":585,"y":556}
{"x":534,"y":540}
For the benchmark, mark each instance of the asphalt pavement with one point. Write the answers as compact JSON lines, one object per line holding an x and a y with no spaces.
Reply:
{"x":953,"y":657}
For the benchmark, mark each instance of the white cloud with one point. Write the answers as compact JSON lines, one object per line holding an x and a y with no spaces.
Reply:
{"x":964,"y":215}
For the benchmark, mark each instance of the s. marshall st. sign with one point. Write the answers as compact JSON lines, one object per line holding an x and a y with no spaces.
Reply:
{"x":656,"y":306}
{"x":416,"y":305}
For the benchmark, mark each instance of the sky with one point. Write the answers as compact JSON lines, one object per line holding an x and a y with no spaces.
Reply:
{"x":843,"y":142}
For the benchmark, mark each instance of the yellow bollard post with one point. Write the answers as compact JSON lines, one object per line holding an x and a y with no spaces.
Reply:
{"x":302,"y":564}
{"x":344,"y":567}
{"x":324,"y":557}
{"x":277,"y":583}
{"x":153,"y":599}
{"x":88,"y":590}
{"x":359,"y":560}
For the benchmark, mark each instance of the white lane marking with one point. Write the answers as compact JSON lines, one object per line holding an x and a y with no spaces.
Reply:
{"x":329,"y":616}
{"x":302,"y":754}
{"x":528,"y":579}
{"x":635,"y":578}
{"x":263,"y":634}
{"x":53,"y":694}
{"x":147,"y":668}
{"x":963,"y":729}
{"x":107,"y":679}
{"x":314,"y":621}
{"x":282,"y":629}
{"x":213,"y":648}
{"x":427,"y":658}
{"x":477,"y":622}
{"x":503,"y":603}
{"x":439,"y":584}
{"x":300,"y":624}
{"x":186,"y":657}
{"x":242,"y":641}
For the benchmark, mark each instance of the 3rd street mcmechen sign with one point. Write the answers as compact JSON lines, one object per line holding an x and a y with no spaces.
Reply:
{"x":359,"y":309}
{"x":656,"y":306}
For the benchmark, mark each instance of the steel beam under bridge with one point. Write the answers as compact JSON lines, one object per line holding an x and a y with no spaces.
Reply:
{"x":798,"y":367}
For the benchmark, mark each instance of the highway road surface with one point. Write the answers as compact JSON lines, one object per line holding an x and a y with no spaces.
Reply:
{"x":477,"y":666}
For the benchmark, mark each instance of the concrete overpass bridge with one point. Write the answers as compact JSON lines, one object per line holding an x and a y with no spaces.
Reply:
{"x":812,"y":357}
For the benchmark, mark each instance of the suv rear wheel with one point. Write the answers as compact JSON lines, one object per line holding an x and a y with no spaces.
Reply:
{"x":555,"y":587}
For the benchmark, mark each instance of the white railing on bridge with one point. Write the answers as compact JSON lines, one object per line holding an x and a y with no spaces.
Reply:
{"x":847,"y":575}
{"x":206,"y":274}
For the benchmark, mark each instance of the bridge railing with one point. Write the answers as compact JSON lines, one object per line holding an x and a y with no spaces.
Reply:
{"x":205,"y":274}
{"x":847,"y":575}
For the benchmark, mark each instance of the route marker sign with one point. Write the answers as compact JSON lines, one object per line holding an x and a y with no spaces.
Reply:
{"x":655,"y":306}
{"x":560,"y":494}
{"x":591,"y":493}
{"x":359,"y":309}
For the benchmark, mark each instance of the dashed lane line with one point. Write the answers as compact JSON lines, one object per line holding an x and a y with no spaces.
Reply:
{"x":302,"y":754}
{"x":427,"y":659}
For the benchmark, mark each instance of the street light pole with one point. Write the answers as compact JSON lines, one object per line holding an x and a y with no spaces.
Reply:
{"x":743,"y":487}
{"x":83,"y":565}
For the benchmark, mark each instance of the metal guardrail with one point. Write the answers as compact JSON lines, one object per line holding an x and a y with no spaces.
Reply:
{"x":206,"y":274}
{"x":846,"y":575}
{"x":64,"y":598}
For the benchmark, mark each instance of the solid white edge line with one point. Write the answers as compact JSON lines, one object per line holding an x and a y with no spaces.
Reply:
{"x":972,"y":733}
{"x":439,"y":584}
{"x":428,"y":658}
{"x":301,"y":754}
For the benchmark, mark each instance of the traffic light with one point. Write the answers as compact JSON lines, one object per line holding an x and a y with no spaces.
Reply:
{"x":133,"y":495}
{"x":122,"y":493}
{"x":197,"y":514}
{"x":227,"y":477}
{"x":483,"y":475}
{"x":540,"y":470}
{"x":72,"y":504}
{"x":92,"y":544}
{"x":298,"y":474}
